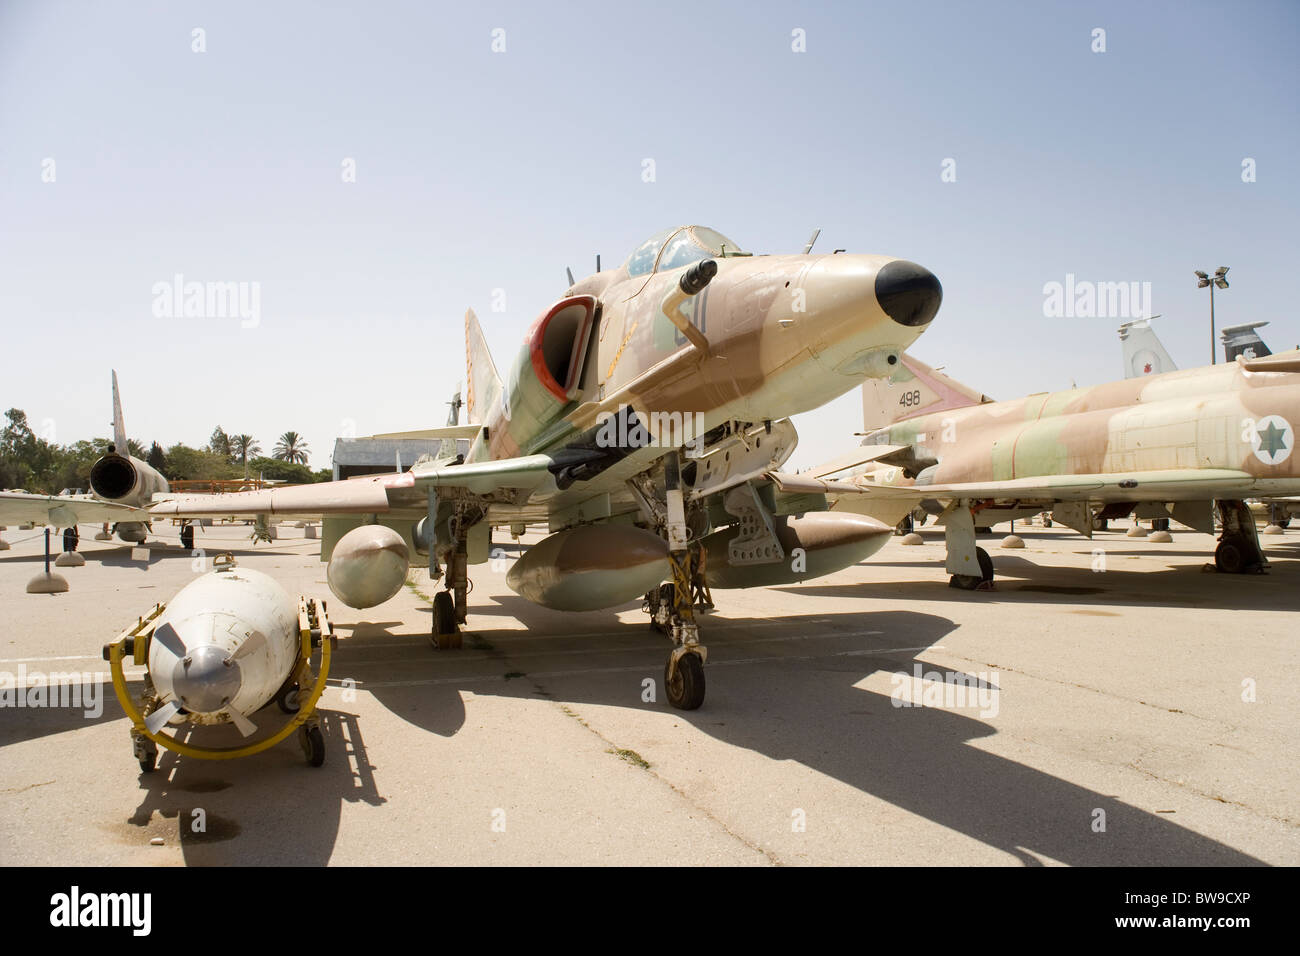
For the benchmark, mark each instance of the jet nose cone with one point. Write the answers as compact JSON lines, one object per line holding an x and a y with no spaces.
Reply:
{"x":909,"y":294}
{"x":206,"y":679}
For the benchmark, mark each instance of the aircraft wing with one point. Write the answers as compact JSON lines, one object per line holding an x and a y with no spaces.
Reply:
{"x":64,"y":511}
{"x":1170,"y":485}
{"x":862,"y":455}
{"x":509,"y":480}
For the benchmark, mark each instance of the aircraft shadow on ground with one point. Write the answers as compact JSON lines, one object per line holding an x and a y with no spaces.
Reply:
{"x":1177,"y":586}
{"x":916,"y":758}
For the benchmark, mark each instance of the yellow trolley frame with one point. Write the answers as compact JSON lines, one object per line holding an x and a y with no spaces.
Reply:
{"x":134,"y":642}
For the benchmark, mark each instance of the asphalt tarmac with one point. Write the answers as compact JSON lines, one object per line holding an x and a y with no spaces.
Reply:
{"x":1111,"y":702}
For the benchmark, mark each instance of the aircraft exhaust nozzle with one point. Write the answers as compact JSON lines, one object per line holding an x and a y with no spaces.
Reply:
{"x":695,"y":278}
{"x":113,"y":476}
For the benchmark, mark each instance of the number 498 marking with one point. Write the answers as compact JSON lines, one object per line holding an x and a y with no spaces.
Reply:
{"x":908,"y":399}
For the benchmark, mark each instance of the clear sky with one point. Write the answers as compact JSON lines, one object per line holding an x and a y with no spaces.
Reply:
{"x":478,"y":170}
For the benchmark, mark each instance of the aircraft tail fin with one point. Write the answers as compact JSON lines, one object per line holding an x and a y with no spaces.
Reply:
{"x":1244,"y":340}
{"x":1143,"y":352}
{"x":914,"y":389}
{"x":483,"y":381}
{"x":119,"y":427}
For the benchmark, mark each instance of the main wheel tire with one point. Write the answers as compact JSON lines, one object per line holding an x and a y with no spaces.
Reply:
{"x":1228,"y":558}
{"x":70,"y":539}
{"x":187,"y":537}
{"x":1099,"y":524}
{"x":685,"y":689}
{"x":312,"y":742}
{"x":1160,"y":524}
{"x":969,"y":582}
{"x":446,"y":632}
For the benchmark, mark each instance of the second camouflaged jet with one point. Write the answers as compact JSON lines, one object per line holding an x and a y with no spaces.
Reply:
{"x":1174,"y":445}
{"x":637,"y":421}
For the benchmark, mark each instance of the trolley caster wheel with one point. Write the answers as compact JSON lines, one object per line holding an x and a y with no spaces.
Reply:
{"x":686,"y":688}
{"x":312,"y":742}
{"x":288,"y":700}
{"x":146,"y":752}
{"x":446,"y":631}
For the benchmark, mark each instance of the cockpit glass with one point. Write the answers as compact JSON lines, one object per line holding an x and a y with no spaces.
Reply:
{"x":680,"y":247}
{"x":643,"y":259}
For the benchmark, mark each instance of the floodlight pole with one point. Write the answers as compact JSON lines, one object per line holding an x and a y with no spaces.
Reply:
{"x":1213,"y":361}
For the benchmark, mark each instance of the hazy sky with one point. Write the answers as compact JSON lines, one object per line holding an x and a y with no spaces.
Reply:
{"x":478,"y":170}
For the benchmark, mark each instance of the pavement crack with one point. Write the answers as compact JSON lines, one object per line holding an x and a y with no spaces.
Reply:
{"x":634,"y":758}
{"x":30,"y":786}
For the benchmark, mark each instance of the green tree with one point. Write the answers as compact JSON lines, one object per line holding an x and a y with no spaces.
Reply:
{"x":26,"y":461}
{"x":157,"y":460}
{"x":291,"y":447}
{"x":244,"y":447}
{"x":197,"y":464}
{"x":219,"y":443}
{"x":275,"y":469}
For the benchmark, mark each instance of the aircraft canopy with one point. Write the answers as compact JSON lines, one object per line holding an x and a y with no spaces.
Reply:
{"x":678,"y":247}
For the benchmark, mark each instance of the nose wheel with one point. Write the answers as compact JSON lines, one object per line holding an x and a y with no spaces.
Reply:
{"x":446,"y":629}
{"x":672,"y":612}
{"x":684,"y":683}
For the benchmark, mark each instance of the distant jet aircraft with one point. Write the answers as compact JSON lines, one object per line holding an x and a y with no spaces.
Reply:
{"x":1175,"y":444}
{"x":1145,"y":355}
{"x":636,"y":421}
{"x":121,"y":489}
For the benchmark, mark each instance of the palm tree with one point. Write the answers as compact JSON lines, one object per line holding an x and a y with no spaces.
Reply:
{"x":243,"y":447}
{"x":292,"y":448}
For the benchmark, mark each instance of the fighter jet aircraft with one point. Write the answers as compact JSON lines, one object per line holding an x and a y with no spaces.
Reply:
{"x":1169,"y":445}
{"x":636,"y":422}
{"x":1144,"y":354}
{"x":121,"y":489}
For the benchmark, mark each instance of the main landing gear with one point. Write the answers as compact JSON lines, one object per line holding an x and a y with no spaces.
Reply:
{"x":973,"y":582}
{"x":970,"y":566}
{"x":672,"y":613}
{"x":672,"y":605}
{"x":1238,"y":551}
{"x":450,"y":606}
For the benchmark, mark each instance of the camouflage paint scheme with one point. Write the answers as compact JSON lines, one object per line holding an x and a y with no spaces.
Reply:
{"x":767,"y":337}
{"x":1181,"y":440}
